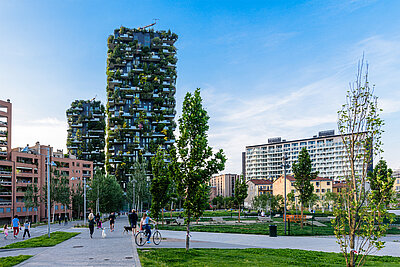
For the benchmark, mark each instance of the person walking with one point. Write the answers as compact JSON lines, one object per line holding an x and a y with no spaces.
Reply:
{"x":145,"y":224}
{"x":5,"y":231}
{"x":91,"y":224}
{"x":16,"y":225}
{"x":112,"y":221}
{"x":133,"y":218}
{"x":27,"y":226}
{"x":97,"y":219}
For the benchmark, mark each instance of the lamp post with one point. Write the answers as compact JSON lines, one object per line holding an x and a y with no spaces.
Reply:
{"x":49,"y":164}
{"x":285,"y":158}
{"x":84,"y":200}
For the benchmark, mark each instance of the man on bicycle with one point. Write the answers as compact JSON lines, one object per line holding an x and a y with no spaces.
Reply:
{"x":145,"y":225}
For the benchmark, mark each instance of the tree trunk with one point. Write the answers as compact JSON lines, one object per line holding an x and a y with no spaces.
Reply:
{"x":301,"y":218}
{"x":239,"y":214}
{"x":351,"y":262}
{"x":187,"y":233}
{"x":170,"y":212}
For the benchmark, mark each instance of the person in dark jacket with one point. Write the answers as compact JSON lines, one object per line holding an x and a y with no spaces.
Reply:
{"x":133,"y":218}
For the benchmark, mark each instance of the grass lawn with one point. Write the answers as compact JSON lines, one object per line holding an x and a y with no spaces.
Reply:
{"x":253,"y":228}
{"x":11,"y":261}
{"x":250,"y":257}
{"x":42,"y":241}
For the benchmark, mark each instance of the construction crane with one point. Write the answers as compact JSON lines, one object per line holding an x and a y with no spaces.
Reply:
{"x":142,"y":28}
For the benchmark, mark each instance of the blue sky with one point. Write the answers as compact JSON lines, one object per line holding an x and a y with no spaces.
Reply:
{"x":266,"y":68}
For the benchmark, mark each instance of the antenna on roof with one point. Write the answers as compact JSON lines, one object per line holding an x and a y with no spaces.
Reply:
{"x":154,"y":23}
{"x":94,"y":98}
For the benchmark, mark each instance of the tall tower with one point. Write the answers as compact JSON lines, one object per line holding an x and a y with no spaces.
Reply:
{"x":86,"y":131}
{"x":141,"y":78}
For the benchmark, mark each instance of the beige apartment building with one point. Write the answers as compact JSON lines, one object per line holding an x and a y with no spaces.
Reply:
{"x":396,"y":175}
{"x":256,"y":187}
{"x":321,"y":187}
{"x":224,"y":184}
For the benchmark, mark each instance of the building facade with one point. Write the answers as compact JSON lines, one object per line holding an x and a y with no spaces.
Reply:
{"x":224,"y":184}
{"x":86,"y":131}
{"x":396,"y":175}
{"x":141,"y":78}
{"x":22,"y":167}
{"x":327,"y":153}
{"x":256,"y":187}
{"x":321,"y":187}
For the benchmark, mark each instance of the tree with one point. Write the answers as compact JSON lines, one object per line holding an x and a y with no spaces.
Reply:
{"x":330,"y":199}
{"x":358,"y":224}
{"x":381,"y":183}
{"x":139,"y":186}
{"x":291,"y":198}
{"x":160,"y":184}
{"x":77,"y":200}
{"x":193,"y":161}
{"x":31,"y":197}
{"x":240,"y":192}
{"x":108,"y":190}
{"x":303,"y":174}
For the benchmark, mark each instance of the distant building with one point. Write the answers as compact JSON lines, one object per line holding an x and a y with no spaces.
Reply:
{"x":224,"y":184}
{"x":321,"y":187}
{"x":337,"y":187}
{"x":326,"y":150}
{"x":396,"y":175}
{"x":86,"y":131}
{"x":256,"y":187}
{"x":21,"y":167}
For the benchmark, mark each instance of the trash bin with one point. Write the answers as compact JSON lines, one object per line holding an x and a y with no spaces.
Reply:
{"x":273,"y":231}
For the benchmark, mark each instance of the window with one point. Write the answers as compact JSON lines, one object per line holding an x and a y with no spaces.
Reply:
{"x":62,"y":207}
{"x":328,"y":183}
{"x":328,"y":190}
{"x":35,"y":209}
{"x":317,"y":190}
{"x":8,"y":209}
{"x":24,"y":209}
{"x":323,"y":190}
{"x":1,"y":210}
{"x":303,"y":143}
{"x":56,"y":207}
{"x":317,"y":183}
{"x":19,"y":209}
{"x":30,"y":209}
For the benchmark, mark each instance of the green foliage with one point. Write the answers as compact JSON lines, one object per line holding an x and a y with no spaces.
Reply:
{"x":59,"y":189}
{"x":240,"y":192}
{"x":160,"y":184}
{"x":249,"y":257}
{"x":31,"y":196}
{"x":42,"y":241}
{"x":381,"y":182}
{"x":13,"y":260}
{"x":141,"y":183}
{"x":108,"y":190}
{"x":192,"y":161}
{"x":275,"y":203}
{"x":77,"y":200}
{"x":358,"y":224}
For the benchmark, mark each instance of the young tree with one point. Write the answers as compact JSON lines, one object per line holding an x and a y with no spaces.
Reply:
{"x":291,"y":199}
{"x":193,"y":161}
{"x":59,"y":189}
{"x":160,"y":184}
{"x":358,"y":224}
{"x":108,"y":190}
{"x":31,"y":197}
{"x":77,"y":200}
{"x":303,"y":174}
{"x":139,"y":186}
{"x":381,"y":183}
{"x":240,"y":192}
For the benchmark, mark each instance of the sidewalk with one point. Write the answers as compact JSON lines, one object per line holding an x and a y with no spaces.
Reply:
{"x":115,"y":250}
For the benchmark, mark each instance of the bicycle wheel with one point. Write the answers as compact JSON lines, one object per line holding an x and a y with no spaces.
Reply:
{"x":157,"y":237}
{"x":140,"y":239}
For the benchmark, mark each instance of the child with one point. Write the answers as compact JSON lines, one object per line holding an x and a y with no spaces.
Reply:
{"x":27,"y":226}
{"x":5,"y":231}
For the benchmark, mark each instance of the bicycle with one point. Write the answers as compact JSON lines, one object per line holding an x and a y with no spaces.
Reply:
{"x":141,"y":237}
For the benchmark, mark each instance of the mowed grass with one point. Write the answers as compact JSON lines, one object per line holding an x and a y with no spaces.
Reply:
{"x":250,"y":257}
{"x":253,"y":228}
{"x":11,"y":261}
{"x":42,"y":241}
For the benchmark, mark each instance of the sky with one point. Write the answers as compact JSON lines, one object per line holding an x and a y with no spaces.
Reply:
{"x":265,"y":68}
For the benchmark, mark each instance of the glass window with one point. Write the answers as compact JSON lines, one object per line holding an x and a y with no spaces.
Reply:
{"x":1,"y":210}
{"x":311,"y":142}
{"x":30,"y":209}
{"x":8,"y":209}
{"x":303,"y":143}
{"x":317,"y":190}
{"x":35,"y":209}
{"x":19,"y":209}
{"x":24,"y":209}
{"x":328,"y":183}
{"x":56,"y":207}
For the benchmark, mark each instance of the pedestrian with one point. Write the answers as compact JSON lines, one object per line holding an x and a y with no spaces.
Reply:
{"x":16,"y":226}
{"x":5,"y":231}
{"x":27,"y":226}
{"x":145,"y":224}
{"x":133,"y":218}
{"x":65,"y":219}
{"x":112,"y":221}
{"x":91,"y":224}
{"x":97,"y":219}
{"x":59,"y":219}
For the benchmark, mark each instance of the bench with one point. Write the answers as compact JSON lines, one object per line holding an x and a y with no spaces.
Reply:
{"x":218,"y":219}
{"x":264,"y":219}
{"x":295,"y":218}
{"x":179,"y":221}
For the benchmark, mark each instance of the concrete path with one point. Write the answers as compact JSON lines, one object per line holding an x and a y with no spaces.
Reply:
{"x":116,"y":249}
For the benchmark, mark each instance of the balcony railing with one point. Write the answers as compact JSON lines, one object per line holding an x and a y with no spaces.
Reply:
{"x":5,"y":203}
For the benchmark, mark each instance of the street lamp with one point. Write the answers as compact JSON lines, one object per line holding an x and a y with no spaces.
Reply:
{"x":285,"y":158}
{"x":49,"y":164}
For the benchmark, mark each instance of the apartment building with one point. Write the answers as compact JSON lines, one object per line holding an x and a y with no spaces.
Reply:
{"x":141,"y":80}
{"x":256,"y":187}
{"x":86,"y":131}
{"x":21,"y":167}
{"x":396,"y":175}
{"x":321,"y":187}
{"x":326,"y":150}
{"x":224,"y":184}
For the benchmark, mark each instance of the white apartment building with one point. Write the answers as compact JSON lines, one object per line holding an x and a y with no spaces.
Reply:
{"x":326,"y":152}
{"x":396,"y":175}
